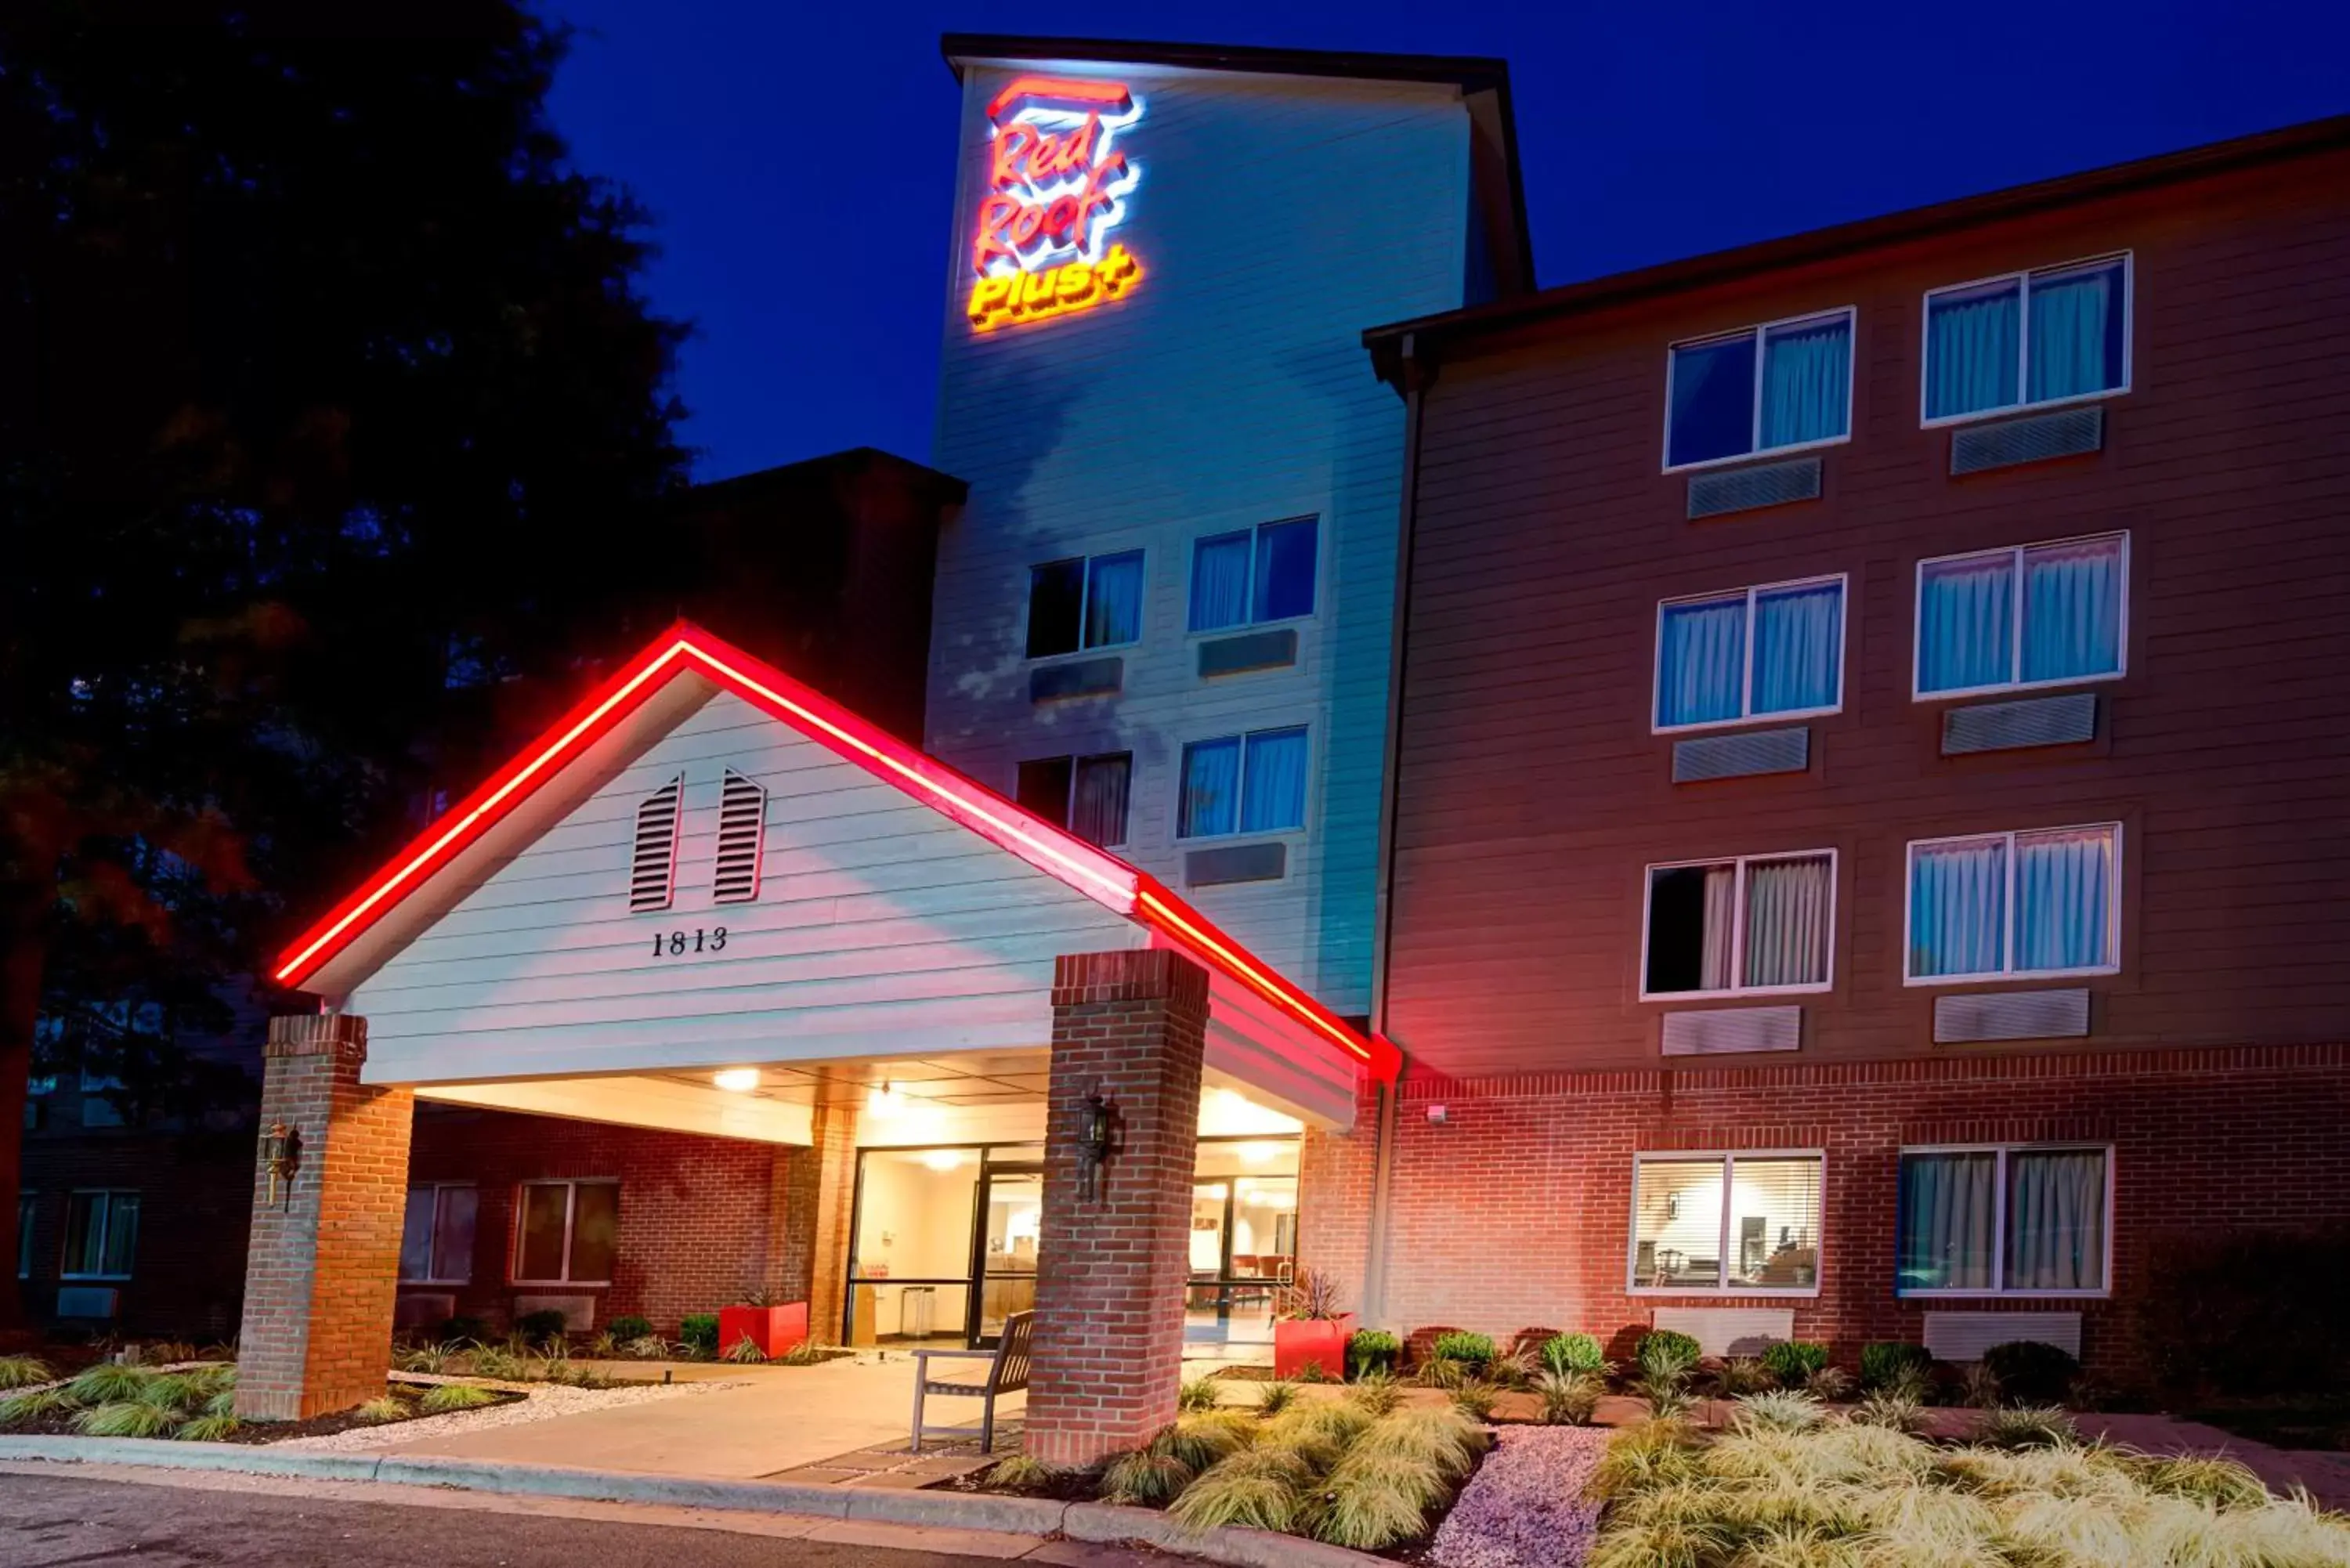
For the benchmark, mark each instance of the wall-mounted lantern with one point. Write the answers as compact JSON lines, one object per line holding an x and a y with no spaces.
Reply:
{"x":279,"y":1146}
{"x":1093,"y":1143}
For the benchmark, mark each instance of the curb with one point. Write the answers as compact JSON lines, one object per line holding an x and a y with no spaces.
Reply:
{"x":1096,"y":1522}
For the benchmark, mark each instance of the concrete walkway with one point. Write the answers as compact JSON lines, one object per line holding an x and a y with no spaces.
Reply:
{"x":788,"y":1418}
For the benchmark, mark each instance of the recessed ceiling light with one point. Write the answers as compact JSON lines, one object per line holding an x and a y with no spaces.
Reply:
{"x":736,"y":1080}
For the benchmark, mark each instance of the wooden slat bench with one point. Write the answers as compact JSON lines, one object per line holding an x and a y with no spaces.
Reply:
{"x":1007,"y":1373}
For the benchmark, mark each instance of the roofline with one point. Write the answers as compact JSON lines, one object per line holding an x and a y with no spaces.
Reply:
{"x":1470,"y":73}
{"x":687,"y":649}
{"x":944,"y":486}
{"x":1388,"y":343}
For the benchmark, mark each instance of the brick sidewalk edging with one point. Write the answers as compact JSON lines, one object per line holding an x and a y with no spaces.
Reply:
{"x":1096,"y":1522}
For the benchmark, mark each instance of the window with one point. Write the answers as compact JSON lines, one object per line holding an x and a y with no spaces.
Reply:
{"x":1773,"y":388}
{"x":2028,"y":338}
{"x":101,"y":1235}
{"x":2035,"y":615}
{"x":1254,"y":575}
{"x":567,"y":1233}
{"x":1746,"y":1222}
{"x":1758,"y":923}
{"x":1753,"y":653}
{"x":1084,"y":602}
{"x":1084,"y":794}
{"x":26,"y":1208}
{"x":1243,"y":784}
{"x":2044,"y":902}
{"x":1992,"y":1221}
{"x":436,"y":1241}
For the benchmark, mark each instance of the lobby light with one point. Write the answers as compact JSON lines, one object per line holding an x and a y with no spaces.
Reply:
{"x":736,"y":1080}
{"x":885,"y":1103}
{"x":944,"y":1158}
{"x":1259,"y":1153}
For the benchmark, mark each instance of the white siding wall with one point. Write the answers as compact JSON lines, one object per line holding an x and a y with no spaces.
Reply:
{"x":881,"y":928}
{"x":1275,"y":219}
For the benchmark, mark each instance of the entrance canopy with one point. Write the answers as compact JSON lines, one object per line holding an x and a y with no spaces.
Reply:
{"x":709,"y":899}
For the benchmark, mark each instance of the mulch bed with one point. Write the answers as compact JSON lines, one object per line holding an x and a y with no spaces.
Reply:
{"x":2312,"y":1421}
{"x":1067,"y":1486}
{"x":264,"y":1432}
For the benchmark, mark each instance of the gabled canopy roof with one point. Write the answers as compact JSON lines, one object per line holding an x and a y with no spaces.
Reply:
{"x":359,"y":933}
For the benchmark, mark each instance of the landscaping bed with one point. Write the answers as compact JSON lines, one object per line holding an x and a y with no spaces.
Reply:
{"x":196,"y":1402}
{"x":2318,"y":1421}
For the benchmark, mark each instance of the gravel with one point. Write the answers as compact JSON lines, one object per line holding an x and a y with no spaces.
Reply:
{"x":1525,"y":1507}
{"x":544,"y":1400}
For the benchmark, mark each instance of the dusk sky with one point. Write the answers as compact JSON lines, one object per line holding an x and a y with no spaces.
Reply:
{"x":798,"y":157}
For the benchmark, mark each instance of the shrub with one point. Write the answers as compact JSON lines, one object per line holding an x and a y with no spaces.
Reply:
{"x":2213,"y":1319}
{"x":1652,"y":1454}
{"x":1022,"y":1473}
{"x":1793,"y":1360}
{"x":806,"y":1353}
{"x":1569,"y":1398}
{"x":1828,"y":1383}
{"x":443,"y":1397}
{"x":628,"y":1327}
{"x":222,"y":1404}
{"x":1784,"y":1412}
{"x":108,"y":1384}
{"x":1979,"y":1386}
{"x":2031,"y":1371}
{"x":34,"y":1404}
{"x":1375,"y":1393}
{"x":1143,"y":1476}
{"x":1310,"y":1295}
{"x":1883,"y":1360}
{"x":698,"y":1332}
{"x":646,"y":1347}
{"x":431,"y":1358}
{"x":503,"y":1364}
{"x":1197,"y":1394}
{"x":1474,"y":1399}
{"x":1744,"y":1374}
{"x":1458,"y":1344}
{"x":1273,"y":1398}
{"x":1890,"y":1411}
{"x":174,"y":1392}
{"x":1445,"y":1438}
{"x":1565,"y":1352}
{"x":1371,"y":1350}
{"x":1260,"y":1490}
{"x":464,"y":1331}
{"x":207,"y":1429}
{"x":1315,"y":1372}
{"x":2028,"y":1427}
{"x":384,"y":1408}
{"x":126,"y":1419}
{"x":746,"y":1350}
{"x":2203,"y":1478}
{"x":22,"y":1371}
{"x":1204,"y":1436}
{"x":1667,"y":1356}
{"x":1372,"y":1502}
{"x":542,"y":1327}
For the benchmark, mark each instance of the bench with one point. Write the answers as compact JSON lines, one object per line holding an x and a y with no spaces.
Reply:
{"x":1007,"y":1373}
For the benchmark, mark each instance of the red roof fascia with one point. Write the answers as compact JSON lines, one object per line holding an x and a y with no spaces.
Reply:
{"x":687,"y":648}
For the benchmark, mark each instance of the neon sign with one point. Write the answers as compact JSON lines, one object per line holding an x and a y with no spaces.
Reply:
{"x":1057,"y":186}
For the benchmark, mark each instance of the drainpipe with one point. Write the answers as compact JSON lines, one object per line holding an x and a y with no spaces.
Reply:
{"x":1414,"y":372}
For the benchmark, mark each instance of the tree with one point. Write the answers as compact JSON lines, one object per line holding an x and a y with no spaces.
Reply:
{"x":331,"y":395}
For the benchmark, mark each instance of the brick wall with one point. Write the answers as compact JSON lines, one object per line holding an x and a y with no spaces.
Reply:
{"x":1334,"y":1174}
{"x":1515,"y":1211}
{"x":195,"y":1195}
{"x":1109,"y":1288}
{"x":699,"y":1223}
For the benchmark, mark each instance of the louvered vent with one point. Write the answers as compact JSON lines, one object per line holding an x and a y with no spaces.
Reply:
{"x":1745,"y":489}
{"x":1965,"y":1335}
{"x":2067,"y":432}
{"x":1723,"y":1031}
{"x":1740,"y":755}
{"x":742,"y":829}
{"x":2012,"y":1015}
{"x":2011,"y":726}
{"x":652,"y":869}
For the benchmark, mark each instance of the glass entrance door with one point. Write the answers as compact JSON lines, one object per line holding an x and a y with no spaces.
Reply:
{"x":1003,"y":1251}
{"x":1243,"y":1239}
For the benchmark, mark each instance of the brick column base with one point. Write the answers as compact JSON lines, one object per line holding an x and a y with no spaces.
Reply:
{"x":324,"y":1263}
{"x":1108,"y":1346}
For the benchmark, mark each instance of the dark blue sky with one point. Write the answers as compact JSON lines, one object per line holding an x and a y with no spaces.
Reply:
{"x":798,"y":157}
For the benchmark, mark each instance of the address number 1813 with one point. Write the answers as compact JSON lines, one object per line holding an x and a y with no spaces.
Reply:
{"x":678,"y":944}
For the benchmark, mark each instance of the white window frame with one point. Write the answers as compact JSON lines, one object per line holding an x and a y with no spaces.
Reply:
{"x":570,"y":1216}
{"x":1255,"y":530}
{"x":1240,"y":788}
{"x":110,"y":1194}
{"x":2015,"y":554}
{"x":1843,"y":581}
{"x":1084,"y":603}
{"x":1070,"y":806}
{"x":2007,"y":925}
{"x":1755,"y":448}
{"x":1738,"y":925}
{"x":433,"y":1248}
{"x":2023,"y":279}
{"x":1998,"y":1289}
{"x":1728,"y":1158}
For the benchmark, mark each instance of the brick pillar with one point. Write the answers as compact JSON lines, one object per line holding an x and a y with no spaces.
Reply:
{"x":829,"y":1191}
{"x":323,"y":1266}
{"x":1109,"y":1288}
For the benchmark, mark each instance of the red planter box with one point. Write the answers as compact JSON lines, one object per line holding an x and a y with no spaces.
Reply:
{"x":1298,"y":1342}
{"x":773,"y":1329}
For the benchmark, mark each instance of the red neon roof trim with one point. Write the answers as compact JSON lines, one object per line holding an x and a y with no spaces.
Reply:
{"x":688,"y":650}
{"x":1060,"y":89}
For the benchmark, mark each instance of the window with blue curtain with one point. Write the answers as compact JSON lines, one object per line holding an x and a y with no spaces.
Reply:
{"x":1114,"y":599}
{"x":1720,"y":407}
{"x":2033,"y":615}
{"x":1210,"y":802}
{"x":1254,"y":574}
{"x":2036,"y":902}
{"x":2033,"y":338}
{"x":1084,"y":602}
{"x":1243,"y":784}
{"x":1705,"y":675}
{"x":1987,"y":1220}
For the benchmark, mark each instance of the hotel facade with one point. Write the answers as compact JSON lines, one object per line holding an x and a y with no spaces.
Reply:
{"x":1788,"y":794}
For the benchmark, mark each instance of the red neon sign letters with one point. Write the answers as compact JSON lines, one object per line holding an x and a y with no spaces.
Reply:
{"x":1057,"y":186}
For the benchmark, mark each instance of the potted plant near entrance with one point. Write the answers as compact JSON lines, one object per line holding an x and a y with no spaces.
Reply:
{"x":1308,"y":1329}
{"x":773,"y":1330}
